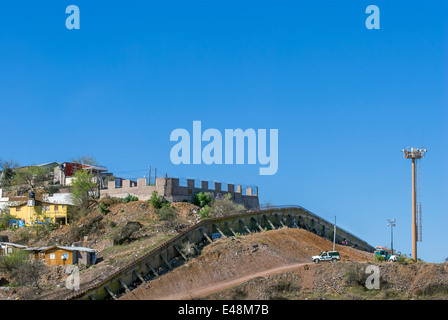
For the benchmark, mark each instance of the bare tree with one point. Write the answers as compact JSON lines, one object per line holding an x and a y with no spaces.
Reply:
{"x":86,"y":160}
{"x":31,"y":177}
{"x":7,"y":172}
{"x":24,"y":271}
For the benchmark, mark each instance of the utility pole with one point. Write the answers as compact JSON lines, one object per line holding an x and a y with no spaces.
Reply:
{"x":391,"y":223}
{"x":334,"y":234}
{"x":414,"y":154}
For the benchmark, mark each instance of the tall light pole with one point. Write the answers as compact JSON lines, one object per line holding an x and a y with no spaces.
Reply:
{"x":334,"y":234}
{"x":391,"y":223}
{"x":414,"y":153}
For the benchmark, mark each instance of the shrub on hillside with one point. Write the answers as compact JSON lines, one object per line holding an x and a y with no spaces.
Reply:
{"x":24,"y":271}
{"x":174,"y":225}
{"x":124,"y":233}
{"x":355,"y":274}
{"x":4,"y":220}
{"x":156,"y":201}
{"x":167,"y":213}
{"x":221,"y":207}
{"x":44,"y":230}
{"x":404,"y":259}
{"x":130,"y":198}
{"x":103,"y":208}
{"x":204,"y":213}
{"x":11,"y":261}
{"x":24,"y":235}
{"x":202,"y":199}
{"x":29,"y":273}
{"x":109,"y":201}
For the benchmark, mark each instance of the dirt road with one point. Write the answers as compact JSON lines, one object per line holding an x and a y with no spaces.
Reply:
{"x":216,"y":287}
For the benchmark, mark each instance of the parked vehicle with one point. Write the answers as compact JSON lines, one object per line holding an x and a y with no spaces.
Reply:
{"x":393,"y":258}
{"x":387,"y":254}
{"x":383,"y":252}
{"x":332,"y":256}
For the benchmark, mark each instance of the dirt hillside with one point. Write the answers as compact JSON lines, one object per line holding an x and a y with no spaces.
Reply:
{"x":241,"y":258}
{"x":343,"y":281}
{"x":120,"y":234}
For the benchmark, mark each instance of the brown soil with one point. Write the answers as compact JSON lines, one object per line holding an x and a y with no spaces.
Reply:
{"x":228,"y":262}
{"x":101,"y":232}
{"x":339,"y":281}
{"x":118,"y":215}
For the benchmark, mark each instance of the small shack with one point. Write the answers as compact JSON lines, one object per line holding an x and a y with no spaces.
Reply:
{"x":36,"y":253}
{"x":59,"y":255}
{"x":8,"y":248}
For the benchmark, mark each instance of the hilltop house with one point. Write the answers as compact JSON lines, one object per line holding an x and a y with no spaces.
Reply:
{"x":54,"y":255}
{"x":7,"y":248}
{"x":64,"y":173}
{"x":60,"y":255}
{"x":35,"y":211}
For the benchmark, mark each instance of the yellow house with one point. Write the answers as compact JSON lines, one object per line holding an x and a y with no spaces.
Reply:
{"x":35,"y":211}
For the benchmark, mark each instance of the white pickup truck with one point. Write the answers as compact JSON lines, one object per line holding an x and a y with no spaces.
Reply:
{"x":332,"y":256}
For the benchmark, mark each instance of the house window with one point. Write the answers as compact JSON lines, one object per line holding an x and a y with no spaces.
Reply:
{"x":46,"y":208}
{"x":65,"y":256}
{"x":18,"y":209}
{"x":63,"y":207}
{"x":52,"y":256}
{"x":55,"y":208}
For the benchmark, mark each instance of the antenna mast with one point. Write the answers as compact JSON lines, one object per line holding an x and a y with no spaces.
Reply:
{"x":414,"y":154}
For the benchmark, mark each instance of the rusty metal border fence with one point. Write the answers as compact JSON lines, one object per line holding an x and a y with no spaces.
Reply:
{"x":316,"y":224}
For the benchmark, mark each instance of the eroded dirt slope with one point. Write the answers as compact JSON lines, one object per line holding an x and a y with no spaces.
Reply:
{"x":344,"y":280}
{"x":242,"y":258}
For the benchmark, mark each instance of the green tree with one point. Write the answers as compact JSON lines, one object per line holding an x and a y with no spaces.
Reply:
{"x":85,"y":159}
{"x":221,"y":208}
{"x":130,"y":198}
{"x":10,"y":262}
{"x":5,"y":216}
{"x":204,"y":213}
{"x":31,"y":177}
{"x":7,"y":172}
{"x":26,"y":272}
{"x":30,"y":273}
{"x":83,"y":188}
{"x":156,"y":201}
{"x":167,"y":213}
{"x":202,"y":199}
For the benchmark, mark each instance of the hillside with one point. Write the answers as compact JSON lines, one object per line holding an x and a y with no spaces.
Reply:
{"x":272,"y":264}
{"x":120,"y":234}
{"x":345,"y":281}
{"x":234,"y":258}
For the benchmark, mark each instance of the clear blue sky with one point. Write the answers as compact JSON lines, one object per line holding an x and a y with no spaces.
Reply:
{"x":345,"y":99}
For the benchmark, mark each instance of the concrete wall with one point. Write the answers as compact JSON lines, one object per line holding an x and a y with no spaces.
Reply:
{"x":170,"y":189}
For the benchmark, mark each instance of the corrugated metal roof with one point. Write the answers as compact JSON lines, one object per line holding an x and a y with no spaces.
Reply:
{"x":98,"y":167}
{"x":37,"y":248}
{"x":69,"y":248}
{"x":12,"y":244}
